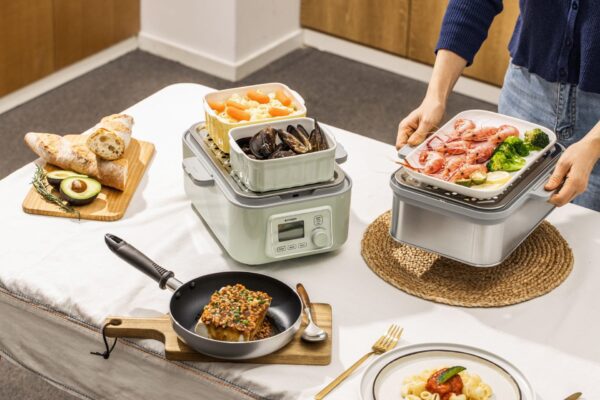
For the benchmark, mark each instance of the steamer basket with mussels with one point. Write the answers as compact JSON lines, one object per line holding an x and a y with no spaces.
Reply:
{"x":282,"y":154}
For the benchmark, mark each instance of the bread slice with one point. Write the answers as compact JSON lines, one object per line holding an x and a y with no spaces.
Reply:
{"x":111,"y":136}
{"x":234,"y":314}
{"x":70,"y":152}
{"x":106,"y":144}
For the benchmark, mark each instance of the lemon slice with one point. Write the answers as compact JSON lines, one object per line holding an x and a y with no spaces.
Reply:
{"x":498,"y":177}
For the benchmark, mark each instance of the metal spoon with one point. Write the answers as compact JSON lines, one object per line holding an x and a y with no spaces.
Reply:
{"x":312,"y":333}
{"x":574,"y":396}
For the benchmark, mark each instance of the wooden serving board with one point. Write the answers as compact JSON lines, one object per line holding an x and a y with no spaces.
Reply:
{"x":296,"y":352}
{"x":111,"y":204}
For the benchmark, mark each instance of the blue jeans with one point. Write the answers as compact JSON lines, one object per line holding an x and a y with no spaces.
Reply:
{"x":561,"y":107}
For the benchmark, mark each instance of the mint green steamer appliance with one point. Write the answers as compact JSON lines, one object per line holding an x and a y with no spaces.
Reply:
{"x":262,"y":227}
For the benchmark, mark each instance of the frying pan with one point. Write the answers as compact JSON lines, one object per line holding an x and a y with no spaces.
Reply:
{"x":189,"y":299}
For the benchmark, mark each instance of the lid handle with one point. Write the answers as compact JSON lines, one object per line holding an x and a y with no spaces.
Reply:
{"x":341,"y":155}
{"x":197,"y":173}
{"x":538,"y":188}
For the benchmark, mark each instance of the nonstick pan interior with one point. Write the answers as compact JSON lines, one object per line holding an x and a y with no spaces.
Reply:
{"x":189,"y":300}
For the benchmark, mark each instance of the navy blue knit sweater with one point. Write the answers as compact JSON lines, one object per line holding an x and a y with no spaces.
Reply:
{"x":558,"y":40}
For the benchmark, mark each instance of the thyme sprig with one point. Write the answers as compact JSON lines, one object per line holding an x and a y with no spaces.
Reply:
{"x":41,"y":186}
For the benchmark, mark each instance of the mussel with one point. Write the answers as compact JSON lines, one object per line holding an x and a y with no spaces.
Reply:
{"x":281,"y":154}
{"x":296,"y":145}
{"x":300,"y":134}
{"x":263,"y":143}
{"x":317,"y":139}
{"x":244,"y":144}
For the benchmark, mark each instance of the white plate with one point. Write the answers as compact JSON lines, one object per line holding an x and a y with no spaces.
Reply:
{"x":383,"y":378}
{"x":481,"y":118}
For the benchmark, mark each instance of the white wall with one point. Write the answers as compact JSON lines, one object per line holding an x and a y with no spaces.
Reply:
{"x":260,"y":23}
{"x":227,"y":38}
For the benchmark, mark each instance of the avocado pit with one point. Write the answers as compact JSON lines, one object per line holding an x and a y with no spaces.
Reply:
{"x":78,"y":186}
{"x":79,"y":191}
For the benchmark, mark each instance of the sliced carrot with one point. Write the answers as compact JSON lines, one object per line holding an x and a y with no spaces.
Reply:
{"x":283,"y":97}
{"x":279,"y":112}
{"x":238,"y":114}
{"x":258,"y":96}
{"x":237,"y":105}
{"x":218,"y":106}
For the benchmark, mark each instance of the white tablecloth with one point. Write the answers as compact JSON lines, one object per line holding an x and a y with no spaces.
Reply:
{"x":55,"y":272}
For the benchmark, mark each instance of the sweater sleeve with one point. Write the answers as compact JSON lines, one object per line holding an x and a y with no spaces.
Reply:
{"x":466,"y":25}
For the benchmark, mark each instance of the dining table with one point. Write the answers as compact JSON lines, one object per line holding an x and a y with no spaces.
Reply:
{"x":59,"y":281}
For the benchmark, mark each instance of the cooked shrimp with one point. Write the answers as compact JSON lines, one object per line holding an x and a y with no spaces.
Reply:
{"x":461,"y":125}
{"x":432,"y":160}
{"x":467,"y":170}
{"x":448,"y":148}
{"x":452,"y":165}
{"x":504,"y":131}
{"x":480,"y":153}
{"x":479,"y":135}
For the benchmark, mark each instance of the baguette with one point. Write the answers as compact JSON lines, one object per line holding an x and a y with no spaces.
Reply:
{"x":109,"y":138}
{"x":70,"y":152}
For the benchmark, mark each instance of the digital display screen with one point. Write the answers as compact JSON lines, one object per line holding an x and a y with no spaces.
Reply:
{"x":290,"y":231}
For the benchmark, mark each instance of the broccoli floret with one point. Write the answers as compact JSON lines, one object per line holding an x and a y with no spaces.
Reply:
{"x":501,"y":161}
{"x":518,"y":145}
{"x":536,"y":139}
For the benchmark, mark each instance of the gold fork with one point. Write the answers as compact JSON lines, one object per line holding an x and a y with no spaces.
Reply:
{"x":383,"y":344}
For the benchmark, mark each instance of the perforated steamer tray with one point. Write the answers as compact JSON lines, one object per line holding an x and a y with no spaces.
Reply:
{"x":481,"y":118}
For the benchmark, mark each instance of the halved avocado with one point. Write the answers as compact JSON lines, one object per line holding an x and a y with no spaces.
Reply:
{"x":79,"y":190}
{"x":56,"y":177}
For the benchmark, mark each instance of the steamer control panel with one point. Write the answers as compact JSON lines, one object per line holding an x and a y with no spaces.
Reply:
{"x":298,"y":232}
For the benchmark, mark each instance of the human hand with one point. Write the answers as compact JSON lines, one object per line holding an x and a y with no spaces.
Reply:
{"x":421,"y":122}
{"x":573,"y":168}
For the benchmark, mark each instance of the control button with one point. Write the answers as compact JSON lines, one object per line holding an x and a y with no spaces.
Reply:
{"x":302,"y":245}
{"x":291,"y":247}
{"x":318,"y":220}
{"x":320,"y":238}
{"x":562,"y":72}
{"x":280,"y":249}
{"x":574,"y":6}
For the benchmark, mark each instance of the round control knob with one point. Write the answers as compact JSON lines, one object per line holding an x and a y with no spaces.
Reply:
{"x":320,"y":237}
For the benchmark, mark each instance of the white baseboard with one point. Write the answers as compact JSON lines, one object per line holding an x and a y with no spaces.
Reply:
{"x":217,"y":66}
{"x":395,"y":64}
{"x":66,"y":74}
{"x":268,"y":54}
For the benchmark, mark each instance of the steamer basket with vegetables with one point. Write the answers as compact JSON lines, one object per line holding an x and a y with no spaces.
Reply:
{"x":249,"y":105}
{"x":478,"y":153}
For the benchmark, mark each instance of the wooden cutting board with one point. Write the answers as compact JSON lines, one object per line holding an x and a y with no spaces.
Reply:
{"x":296,"y":352}
{"x":111,"y":204}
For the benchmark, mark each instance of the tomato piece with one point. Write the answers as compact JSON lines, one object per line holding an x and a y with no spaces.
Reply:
{"x":238,"y":114}
{"x":283,"y":97}
{"x":258,"y":96}
{"x":239,"y":106}
{"x":279,"y":112}
{"x":218,"y":106}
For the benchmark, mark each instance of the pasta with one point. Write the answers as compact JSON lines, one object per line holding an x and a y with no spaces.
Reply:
{"x":473,"y":388}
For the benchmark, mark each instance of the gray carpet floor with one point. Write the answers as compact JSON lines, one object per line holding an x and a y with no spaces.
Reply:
{"x":340,"y":92}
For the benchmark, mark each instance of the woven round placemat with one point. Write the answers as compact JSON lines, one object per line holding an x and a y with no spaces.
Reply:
{"x":541,"y":263}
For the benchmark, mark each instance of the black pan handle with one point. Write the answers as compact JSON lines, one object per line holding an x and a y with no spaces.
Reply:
{"x":136,"y":258}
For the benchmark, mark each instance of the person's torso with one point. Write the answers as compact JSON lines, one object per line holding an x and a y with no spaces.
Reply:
{"x":560,"y":41}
